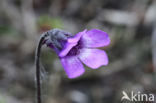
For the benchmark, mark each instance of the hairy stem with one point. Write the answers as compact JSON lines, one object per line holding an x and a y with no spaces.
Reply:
{"x":37,"y":62}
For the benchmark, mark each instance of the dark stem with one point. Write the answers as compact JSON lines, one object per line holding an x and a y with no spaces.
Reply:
{"x":37,"y":62}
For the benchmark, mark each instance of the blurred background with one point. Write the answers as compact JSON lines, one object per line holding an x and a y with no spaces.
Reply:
{"x":131,"y":25}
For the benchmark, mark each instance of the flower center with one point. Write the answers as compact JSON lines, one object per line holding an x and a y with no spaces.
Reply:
{"x":76,"y":49}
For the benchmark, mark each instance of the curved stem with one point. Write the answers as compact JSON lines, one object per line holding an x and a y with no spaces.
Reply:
{"x":37,"y":62}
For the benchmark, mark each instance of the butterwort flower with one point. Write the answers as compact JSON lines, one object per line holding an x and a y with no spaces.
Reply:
{"x":74,"y":50}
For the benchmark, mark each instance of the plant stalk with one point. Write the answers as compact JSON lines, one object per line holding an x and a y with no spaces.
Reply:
{"x":37,"y":62}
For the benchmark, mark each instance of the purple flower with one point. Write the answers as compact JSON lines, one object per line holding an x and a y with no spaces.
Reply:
{"x":81,"y":48}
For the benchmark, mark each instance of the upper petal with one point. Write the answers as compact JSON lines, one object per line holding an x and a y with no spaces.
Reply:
{"x":71,"y":42}
{"x":95,"y":38}
{"x":72,"y":66}
{"x":77,"y":37}
{"x":93,"y":58}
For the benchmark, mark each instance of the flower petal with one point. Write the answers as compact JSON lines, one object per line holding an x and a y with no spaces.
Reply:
{"x":71,"y":42}
{"x":93,"y":58}
{"x":95,"y":38}
{"x":77,"y":37}
{"x":72,"y":66}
